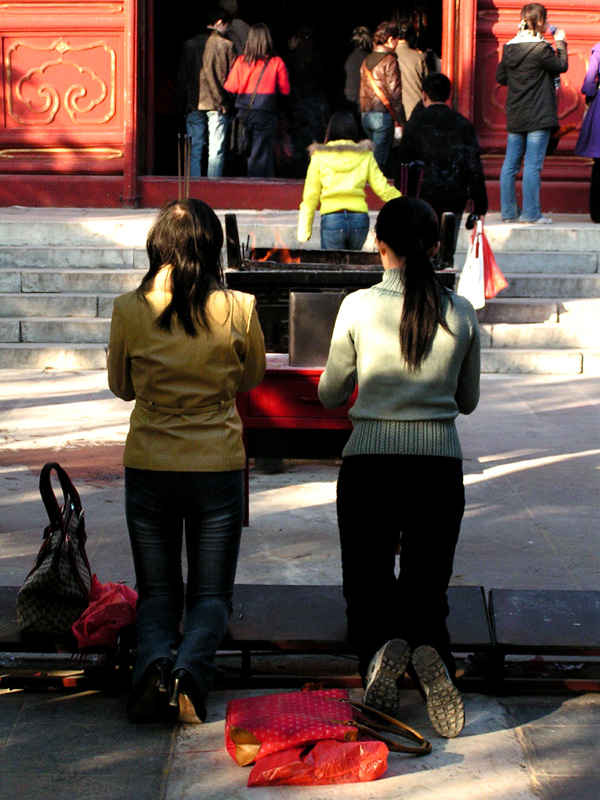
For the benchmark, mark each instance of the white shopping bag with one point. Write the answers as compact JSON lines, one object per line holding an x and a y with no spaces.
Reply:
{"x":472,"y":282}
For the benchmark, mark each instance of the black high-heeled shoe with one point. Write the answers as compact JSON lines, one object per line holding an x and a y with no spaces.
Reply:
{"x":149,"y":700}
{"x":186,"y":698}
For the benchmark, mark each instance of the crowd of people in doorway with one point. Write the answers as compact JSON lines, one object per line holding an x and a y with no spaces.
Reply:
{"x":231,"y":71}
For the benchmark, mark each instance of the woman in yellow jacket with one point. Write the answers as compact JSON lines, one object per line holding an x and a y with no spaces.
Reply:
{"x":336,"y":179}
{"x":181,"y":346}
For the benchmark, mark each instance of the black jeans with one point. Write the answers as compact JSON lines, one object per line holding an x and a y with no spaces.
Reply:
{"x":381,"y":500}
{"x":261,"y":127}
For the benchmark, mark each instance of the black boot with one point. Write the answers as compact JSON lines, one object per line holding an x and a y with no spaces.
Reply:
{"x":149,"y":701}
{"x":186,"y":698}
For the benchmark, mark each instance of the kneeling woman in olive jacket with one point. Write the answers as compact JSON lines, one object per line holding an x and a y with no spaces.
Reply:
{"x":181,"y":346}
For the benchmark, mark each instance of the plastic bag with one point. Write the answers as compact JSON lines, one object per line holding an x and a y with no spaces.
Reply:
{"x":325,"y":763}
{"x":112,"y":607}
{"x":472,"y":282}
{"x":494,"y":280}
{"x":258,"y":726}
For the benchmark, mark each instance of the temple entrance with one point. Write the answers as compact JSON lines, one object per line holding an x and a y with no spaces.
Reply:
{"x":312,"y":37}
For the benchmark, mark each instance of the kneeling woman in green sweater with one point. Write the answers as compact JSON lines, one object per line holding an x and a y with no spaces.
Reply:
{"x":413,"y":348}
{"x":336,"y":178}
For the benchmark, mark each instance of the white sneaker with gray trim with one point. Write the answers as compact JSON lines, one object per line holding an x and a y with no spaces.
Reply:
{"x":444,"y":702}
{"x":387,"y":666}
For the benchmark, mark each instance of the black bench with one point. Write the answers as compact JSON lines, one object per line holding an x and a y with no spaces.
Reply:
{"x":312,"y":619}
{"x":543,"y":622}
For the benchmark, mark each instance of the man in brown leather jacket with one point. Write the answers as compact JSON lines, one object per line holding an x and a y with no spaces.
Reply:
{"x":381,"y":92}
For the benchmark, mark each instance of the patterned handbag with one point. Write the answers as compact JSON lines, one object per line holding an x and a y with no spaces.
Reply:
{"x":57,"y":590}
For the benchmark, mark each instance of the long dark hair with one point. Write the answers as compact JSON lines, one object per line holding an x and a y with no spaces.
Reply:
{"x":259,"y":44}
{"x":187,"y":236}
{"x":409,"y":227}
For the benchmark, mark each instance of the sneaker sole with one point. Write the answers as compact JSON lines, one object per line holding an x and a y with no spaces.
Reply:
{"x":389,"y":665}
{"x":444,"y":702}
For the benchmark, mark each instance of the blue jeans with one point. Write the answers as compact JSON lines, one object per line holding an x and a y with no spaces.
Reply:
{"x":158,"y":504}
{"x":216,"y":124}
{"x":344,"y":230}
{"x":379,"y":127}
{"x":533,"y":145}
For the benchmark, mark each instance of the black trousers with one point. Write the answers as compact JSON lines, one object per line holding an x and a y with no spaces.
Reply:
{"x":382,"y":500}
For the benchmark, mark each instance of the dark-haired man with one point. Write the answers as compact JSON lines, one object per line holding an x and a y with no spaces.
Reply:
{"x":446,"y":143}
{"x":205,"y":64}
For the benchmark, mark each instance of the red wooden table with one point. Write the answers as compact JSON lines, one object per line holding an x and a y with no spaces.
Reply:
{"x":284,"y":418}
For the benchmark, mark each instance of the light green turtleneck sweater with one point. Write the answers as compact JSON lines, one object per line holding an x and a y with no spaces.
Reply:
{"x":398,"y":410}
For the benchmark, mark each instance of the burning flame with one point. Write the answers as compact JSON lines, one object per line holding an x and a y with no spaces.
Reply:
{"x":279,"y":253}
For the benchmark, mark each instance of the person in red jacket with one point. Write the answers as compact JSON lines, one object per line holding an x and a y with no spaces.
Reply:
{"x":256,"y":78}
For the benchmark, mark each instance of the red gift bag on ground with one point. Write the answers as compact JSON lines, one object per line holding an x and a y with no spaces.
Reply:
{"x":494,"y":280}
{"x":326,"y":763}
{"x":255,"y":727}
{"x":112,"y":607}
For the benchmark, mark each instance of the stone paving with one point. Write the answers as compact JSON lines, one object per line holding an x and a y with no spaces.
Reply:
{"x":532,"y":464}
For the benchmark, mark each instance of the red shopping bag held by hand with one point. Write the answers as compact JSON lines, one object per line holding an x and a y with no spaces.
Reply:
{"x":494,"y":280}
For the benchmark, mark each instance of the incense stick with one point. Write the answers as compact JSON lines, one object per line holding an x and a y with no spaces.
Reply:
{"x":179,"y":166}
{"x":188,"y":163}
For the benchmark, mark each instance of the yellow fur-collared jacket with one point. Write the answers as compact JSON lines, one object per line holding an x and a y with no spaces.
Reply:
{"x":184,"y":387}
{"x":336,"y":179}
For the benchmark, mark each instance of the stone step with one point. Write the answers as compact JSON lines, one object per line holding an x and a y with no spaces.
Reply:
{"x":542,"y":309}
{"x":532,"y":262}
{"x":543,"y":335}
{"x":59,"y":331}
{"x":494,"y":360}
{"x":540,"y":361}
{"x":559,"y":286}
{"x":67,"y":304}
{"x":82,"y":257}
{"x":101,"y":281}
{"x":39,"y":356}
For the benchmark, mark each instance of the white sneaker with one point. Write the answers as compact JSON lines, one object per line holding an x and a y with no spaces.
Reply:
{"x":444,"y":703}
{"x":387,"y":666}
{"x":539,"y":221}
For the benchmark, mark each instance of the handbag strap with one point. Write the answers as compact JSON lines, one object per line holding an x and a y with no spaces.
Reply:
{"x":262,"y":72}
{"x":383,"y":727}
{"x":381,"y":95}
{"x":70,"y":494}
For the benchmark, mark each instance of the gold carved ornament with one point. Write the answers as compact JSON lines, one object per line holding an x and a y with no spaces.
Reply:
{"x":73,"y":95}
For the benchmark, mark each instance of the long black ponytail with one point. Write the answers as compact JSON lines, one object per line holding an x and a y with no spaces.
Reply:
{"x":409,"y":227}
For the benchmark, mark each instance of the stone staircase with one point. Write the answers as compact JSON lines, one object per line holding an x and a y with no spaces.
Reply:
{"x":61,"y":268}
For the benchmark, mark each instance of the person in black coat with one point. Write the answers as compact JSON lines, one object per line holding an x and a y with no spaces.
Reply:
{"x":445,"y":142}
{"x":530,"y":68}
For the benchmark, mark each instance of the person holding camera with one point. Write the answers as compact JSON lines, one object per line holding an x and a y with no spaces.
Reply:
{"x":529,"y":68}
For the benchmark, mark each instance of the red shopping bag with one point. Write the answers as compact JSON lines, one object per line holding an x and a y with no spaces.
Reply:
{"x":255,"y":727}
{"x":112,"y":607}
{"x":326,"y":763}
{"x":494,"y":280}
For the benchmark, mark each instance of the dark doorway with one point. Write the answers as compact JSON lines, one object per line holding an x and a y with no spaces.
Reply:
{"x":324,"y":30}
